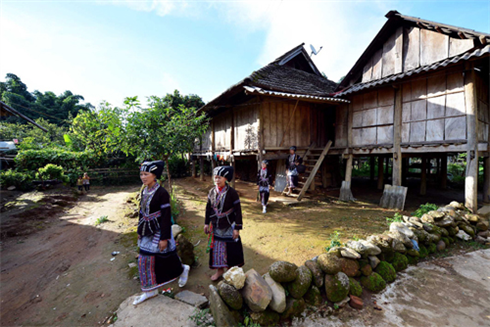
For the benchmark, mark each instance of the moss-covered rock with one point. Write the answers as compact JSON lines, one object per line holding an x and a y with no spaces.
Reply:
{"x":400,"y":262}
{"x":374,"y":282}
{"x":451,"y":240}
{"x":283,"y":272}
{"x":230,"y":295}
{"x":446,"y":241}
{"x":265,"y":318}
{"x":366,"y":270}
{"x":350,"y":267}
{"x":301,"y":284}
{"x":313,"y":296}
{"x":412,"y":260}
{"x":329,"y":263}
{"x":337,"y":286}
{"x":354,"y":287}
{"x":413,"y":253}
{"x":294,"y":308}
{"x":388,"y":256}
{"x":386,"y":271}
{"x":452,"y":230}
{"x":423,"y":251}
{"x":431,"y":248}
{"x":468,"y":229}
{"x":316,"y":272}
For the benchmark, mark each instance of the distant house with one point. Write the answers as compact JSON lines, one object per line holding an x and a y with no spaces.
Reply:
{"x":6,"y":110}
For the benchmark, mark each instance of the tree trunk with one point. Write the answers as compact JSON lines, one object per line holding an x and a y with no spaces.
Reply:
{"x":168,"y":175}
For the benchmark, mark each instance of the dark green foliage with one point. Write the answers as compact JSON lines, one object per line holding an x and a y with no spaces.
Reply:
{"x":431,"y":248}
{"x":386,"y":271}
{"x":35,"y":159}
{"x":21,"y":180}
{"x":424,"y":208}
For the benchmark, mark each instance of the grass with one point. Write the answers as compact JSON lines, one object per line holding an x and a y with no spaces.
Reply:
{"x":397,"y":218}
{"x":101,"y":220}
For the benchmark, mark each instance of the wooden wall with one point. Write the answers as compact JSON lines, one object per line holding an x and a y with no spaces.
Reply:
{"x":222,"y":131}
{"x":409,"y":48}
{"x":483,"y":108}
{"x":246,"y":125}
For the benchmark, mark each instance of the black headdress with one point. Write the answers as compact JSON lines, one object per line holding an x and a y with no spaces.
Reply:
{"x":266,"y":162}
{"x":292,"y":148}
{"x":154,"y":167}
{"x":224,"y":171}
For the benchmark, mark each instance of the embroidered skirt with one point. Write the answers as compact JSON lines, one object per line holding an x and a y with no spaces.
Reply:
{"x":226,"y":254}
{"x":292,"y":181}
{"x":264,"y":195}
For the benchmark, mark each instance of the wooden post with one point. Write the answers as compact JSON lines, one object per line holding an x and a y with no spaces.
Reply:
{"x":201,"y":166}
{"x":396,"y":179}
{"x":345,"y":190}
{"x":371,"y":168}
{"x":486,"y":179}
{"x":380,"y":173}
{"x":471,"y":180}
{"x":348,"y":168}
{"x":444,"y":171}
{"x":423,"y":177}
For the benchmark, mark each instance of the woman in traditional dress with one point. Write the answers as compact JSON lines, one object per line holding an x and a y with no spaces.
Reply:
{"x":264,"y":181}
{"x":292,"y":161}
{"x":158,"y":261}
{"x":223,"y":223}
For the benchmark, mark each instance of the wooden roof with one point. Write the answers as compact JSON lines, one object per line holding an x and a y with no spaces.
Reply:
{"x":294,"y":72}
{"x":395,"y":20}
{"x":6,"y":110}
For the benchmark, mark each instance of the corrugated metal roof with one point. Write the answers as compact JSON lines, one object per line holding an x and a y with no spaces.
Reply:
{"x":434,"y":66}
{"x":255,"y":89}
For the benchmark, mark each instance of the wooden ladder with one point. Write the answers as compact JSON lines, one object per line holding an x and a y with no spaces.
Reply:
{"x":311,"y":178}
{"x":304,"y":157}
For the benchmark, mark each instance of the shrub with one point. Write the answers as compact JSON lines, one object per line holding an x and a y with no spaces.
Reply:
{"x":335,"y":241}
{"x":35,"y":159}
{"x":51,"y":171}
{"x":101,"y":220}
{"x":425,"y":208}
{"x":21,"y":180}
{"x":397,"y":218}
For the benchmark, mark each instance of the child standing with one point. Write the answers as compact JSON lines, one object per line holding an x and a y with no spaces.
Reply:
{"x":264,"y":181}
{"x":86,"y":182}
{"x":80,"y":183}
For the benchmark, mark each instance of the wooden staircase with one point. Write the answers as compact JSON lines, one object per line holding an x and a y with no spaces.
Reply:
{"x":312,"y":159}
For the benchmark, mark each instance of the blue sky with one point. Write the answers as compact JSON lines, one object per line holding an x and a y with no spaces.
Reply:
{"x":108,"y":50}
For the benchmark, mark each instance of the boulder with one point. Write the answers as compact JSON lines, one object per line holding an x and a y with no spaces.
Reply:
{"x":436,"y":214}
{"x":446,"y":222}
{"x":467,"y":229}
{"x":301,"y":284}
{"x":373,"y":261}
{"x":433,"y":238}
{"x":463,"y":236}
{"x":185,"y":250}
{"x":329,"y":263}
{"x":398,"y":246}
{"x":235,"y":277}
{"x":371,"y":249}
{"x":386,"y":271}
{"x":452,"y":231}
{"x":457,"y":205}
{"x":176,"y":230}
{"x":354,"y":287}
{"x":413,"y":253}
{"x":382,"y":241}
{"x":337,"y":287}
{"x":426,"y":218}
{"x":256,"y":292}
{"x":221,"y":314}
{"x":482,"y":225}
{"x":294,"y":308}
{"x":400,"y":262}
{"x":230,"y":295}
{"x":421,"y":234}
{"x":316,"y":272}
{"x":374,"y":282}
{"x":484,"y":234}
{"x":441,"y":246}
{"x":400,"y":227}
{"x":350,"y":267}
{"x":313,"y":296}
{"x":481,"y":240}
{"x":396,"y":235}
{"x":349,"y":253}
{"x":366,"y":269}
{"x":342,"y":303}
{"x":472,"y":218}
{"x":283,"y":272}
{"x":265,"y":318}
{"x":278,"y":301}
{"x":412,"y":260}
{"x":356,"y":302}
{"x":356,"y":246}
{"x":423,"y":252}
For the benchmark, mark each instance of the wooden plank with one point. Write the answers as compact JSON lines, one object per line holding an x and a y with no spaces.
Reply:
{"x":411,"y":49}
{"x":397,"y":131}
{"x":384,"y":134}
{"x":290,"y":116}
{"x":266,"y":124}
{"x":455,"y":128}
{"x":455,"y":104}
{"x":368,"y":135}
{"x":436,"y":85}
{"x":384,"y":115}
{"x":471,"y":180}
{"x":433,"y":47}
{"x":419,"y":89}
{"x":454,"y":82}
{"x":386,"y":97}
{"x":201,"y":166}
{"x":369,"y":117}
{"x":377,"y":64}
{"x":370,"y":100}
{"x":367,"y":71}
{"x":389,"y":56}
{"x":458,"y":46}
{"x":345,"y":190}
{"x":398,"y":63}
{"x":314,"y":171}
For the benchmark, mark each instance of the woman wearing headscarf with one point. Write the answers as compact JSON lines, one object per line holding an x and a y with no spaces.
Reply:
{"x":158,"y":261}
{"x":223,"y":223}
{"x":292,"y":161}
{"x":264,"y":181}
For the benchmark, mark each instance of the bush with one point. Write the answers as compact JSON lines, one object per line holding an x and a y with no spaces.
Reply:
{"x":424,"y":208}
{"x":35,"y":159}
{"x":51,"y":171}
{"x":21,"y":180}
{"x":178,"y":166}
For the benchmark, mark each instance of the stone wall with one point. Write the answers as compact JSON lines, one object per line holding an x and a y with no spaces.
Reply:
{"x":344,"y":273}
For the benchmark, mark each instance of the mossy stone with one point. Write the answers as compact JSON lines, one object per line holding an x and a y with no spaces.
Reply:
{"x":389,"y":256}
{"x":354,"y":287}
{"x":283,"y":272}
{"x":412,"y":260}
{"x":230,"y":295}
{"x":265,"y":318}
{"x":413,"y":253}
{"x":329,"y":263}
{"x":400,"y":262}
{"x":446,"y":241}
{"x":374,"y":282}
{"x":386,"y":271}
{"x":337,"y":287}
{"x":423,"y":251}
{"x":432,"y":248}
{"x":313,"y":296}
{"x":294,"y":308}
{"x":301,"y":284}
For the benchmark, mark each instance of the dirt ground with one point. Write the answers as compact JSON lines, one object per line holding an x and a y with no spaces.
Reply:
{"x":56,"y":266}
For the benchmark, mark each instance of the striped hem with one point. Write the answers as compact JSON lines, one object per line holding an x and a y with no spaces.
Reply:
{"x":152,"y":288}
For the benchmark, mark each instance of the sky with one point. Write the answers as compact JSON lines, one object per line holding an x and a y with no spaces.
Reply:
{"x":107,"y":50}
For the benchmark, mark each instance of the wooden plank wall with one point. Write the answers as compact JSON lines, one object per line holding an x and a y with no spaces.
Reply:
{"x":483,"y":108}
{"x":246,"y":124}
{"x":433,"y":108}
{"x":276,"y":116}
{"x":409,"y":48}
{"x":372,"y":121}
{"x":222,"y":131}
{"x":341,"y":126}
{"x":206,"y":142}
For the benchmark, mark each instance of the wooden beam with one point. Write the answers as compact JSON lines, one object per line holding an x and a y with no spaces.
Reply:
{"x":486,"y":180}
{"x":471,"y":180}
{"x":380,"y":173}
{"x":397,"y":138}
{"x":483,"y":39}
{"x":289,"y":123}
{"x":314,"y":171}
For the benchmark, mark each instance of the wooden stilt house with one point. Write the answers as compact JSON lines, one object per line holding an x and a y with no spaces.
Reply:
{"x":285,"y":103}
{"x":419,"y":90}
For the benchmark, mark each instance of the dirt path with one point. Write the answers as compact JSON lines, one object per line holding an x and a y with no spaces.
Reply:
{"x":62,"y":275}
